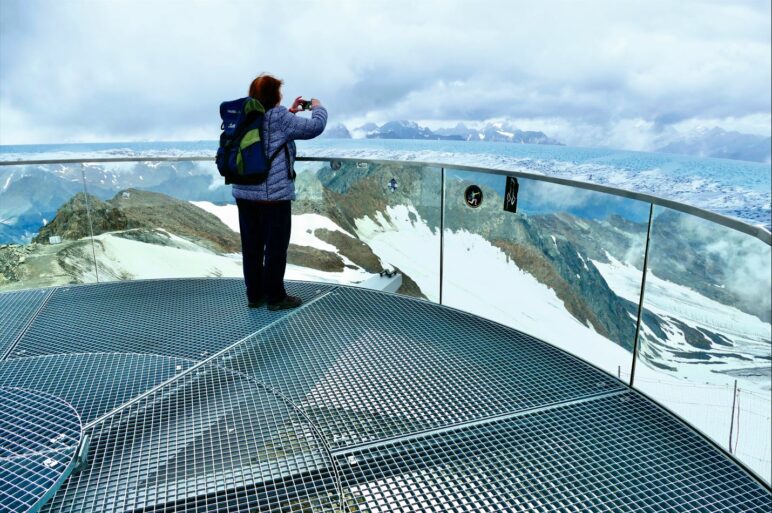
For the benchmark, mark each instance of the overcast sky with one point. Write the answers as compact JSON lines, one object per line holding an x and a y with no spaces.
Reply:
{"x":595,"y":72}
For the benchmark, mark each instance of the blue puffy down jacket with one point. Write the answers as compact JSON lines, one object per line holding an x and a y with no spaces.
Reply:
{"x":280,"y":127}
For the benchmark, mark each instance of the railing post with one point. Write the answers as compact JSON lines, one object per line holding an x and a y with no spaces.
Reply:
{"x":640,"y":300}
{"x":442,"y":226}
{"x":731,"y":421}
{"x":88,"y":216}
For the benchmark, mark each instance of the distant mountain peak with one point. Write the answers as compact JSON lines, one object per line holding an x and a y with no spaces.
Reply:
{"x":139,"y":209}
{"x":719,"y":143}
{"x":498,"y":131}
{"x":336,"y":131}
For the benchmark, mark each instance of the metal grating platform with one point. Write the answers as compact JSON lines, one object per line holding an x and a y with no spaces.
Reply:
{"x":357,"y":401}
{"x":93,"y":383}
{"x":210,"y":441}
{"x":39,"y":435}
{"x":617,"y":453}
{"x":368,"y":366}
{"x":184,"y":318}
{"x":17,"y":309}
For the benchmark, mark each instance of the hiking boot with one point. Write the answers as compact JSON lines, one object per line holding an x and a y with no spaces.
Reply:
{"x":286,"y":303}
{"x":256,"y":304}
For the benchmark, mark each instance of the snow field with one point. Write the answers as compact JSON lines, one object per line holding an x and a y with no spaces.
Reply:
{"x":121,"y":258}
{"x":228,"y":214}
{"x":400,"y":242}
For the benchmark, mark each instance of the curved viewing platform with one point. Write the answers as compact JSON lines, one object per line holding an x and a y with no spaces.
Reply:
{"x":470,"y":340}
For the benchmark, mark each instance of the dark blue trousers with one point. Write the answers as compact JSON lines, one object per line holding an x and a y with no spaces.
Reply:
{"x":265,"y":234}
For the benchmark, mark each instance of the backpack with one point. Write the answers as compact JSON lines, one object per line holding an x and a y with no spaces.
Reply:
{"x":241,"y":157}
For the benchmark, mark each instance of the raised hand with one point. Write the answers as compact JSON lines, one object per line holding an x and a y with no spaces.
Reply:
{"x":296,"y":104}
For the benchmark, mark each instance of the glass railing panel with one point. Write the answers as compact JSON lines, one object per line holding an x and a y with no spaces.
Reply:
{"x":45,"y":237}
{"x":374,"y":225}
{"x":566,"y":267}
{"x":162,"y":219}
{"x":705,"y":348}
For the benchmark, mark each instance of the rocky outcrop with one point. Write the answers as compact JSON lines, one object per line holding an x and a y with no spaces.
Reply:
{"x":353,"y":249}
{"x":336,"y":131}
{"x":12,"y":260}
{"x":314,"y":258}
{"x":139,"y":209}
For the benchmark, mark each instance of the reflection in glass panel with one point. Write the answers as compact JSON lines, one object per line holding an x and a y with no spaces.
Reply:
{"x":371,"y":224}
{"x":368,"y":224}
{"x":707,"y":327}
{"x":44,"y":227}
{"x":566,"y":267}
{"x":158,"y":219}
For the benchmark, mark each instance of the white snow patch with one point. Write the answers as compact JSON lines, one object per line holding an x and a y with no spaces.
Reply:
{"x":668,"y":299}
{"x":7,"y":181}
{"x":121,"y":258}
{"x":228,"y":214}
{"x":303,"y":234}
{"x":410,"y":246}
{"x":304,"y":227}
{"x":584,"y":262}
{"x":495,"y":288}
{"x":348,"y":276}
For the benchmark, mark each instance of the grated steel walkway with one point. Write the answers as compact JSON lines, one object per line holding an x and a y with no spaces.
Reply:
{"x":357,"y":401}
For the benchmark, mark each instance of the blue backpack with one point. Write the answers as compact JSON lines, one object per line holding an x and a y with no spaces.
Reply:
{"x":241,"y":157}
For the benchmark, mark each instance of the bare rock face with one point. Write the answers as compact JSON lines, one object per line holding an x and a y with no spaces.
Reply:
{"x":314,"y":258}
{"x":12,"y":256}
{"x":353,"y":249}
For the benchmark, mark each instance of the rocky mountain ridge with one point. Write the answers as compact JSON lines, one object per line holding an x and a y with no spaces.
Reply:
{"x":336,"y":131}
{"x":31,"y":195}
{"x":135,"y":209}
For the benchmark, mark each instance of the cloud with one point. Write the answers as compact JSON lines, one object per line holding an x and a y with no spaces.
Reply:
{"x":127,"y":70}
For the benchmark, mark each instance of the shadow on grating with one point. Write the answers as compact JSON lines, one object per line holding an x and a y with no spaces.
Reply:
{"x":191,"y":318}
{"x":613,"y":454}
{"x":210,"y":441}
{"x":93,"y":383}
{"x":367,"y":366}
{"x":16,"y":310}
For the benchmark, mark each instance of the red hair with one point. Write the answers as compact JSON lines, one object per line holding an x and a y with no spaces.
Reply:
{"x":267,"y":90}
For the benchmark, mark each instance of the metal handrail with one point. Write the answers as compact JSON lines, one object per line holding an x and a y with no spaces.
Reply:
{"x":759,"y":232}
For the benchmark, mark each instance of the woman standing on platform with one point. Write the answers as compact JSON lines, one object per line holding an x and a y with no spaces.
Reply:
{"x":265,"y":211}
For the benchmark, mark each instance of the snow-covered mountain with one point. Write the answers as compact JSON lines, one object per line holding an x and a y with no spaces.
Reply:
{"x":491,"y":132}
{"x":336,"y":131}
{"x":402,"y":130}
{"x":498,"y":132}
{"x":719,"y":143}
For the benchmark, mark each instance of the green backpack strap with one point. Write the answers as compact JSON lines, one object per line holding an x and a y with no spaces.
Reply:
{"x":252,"y":109}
